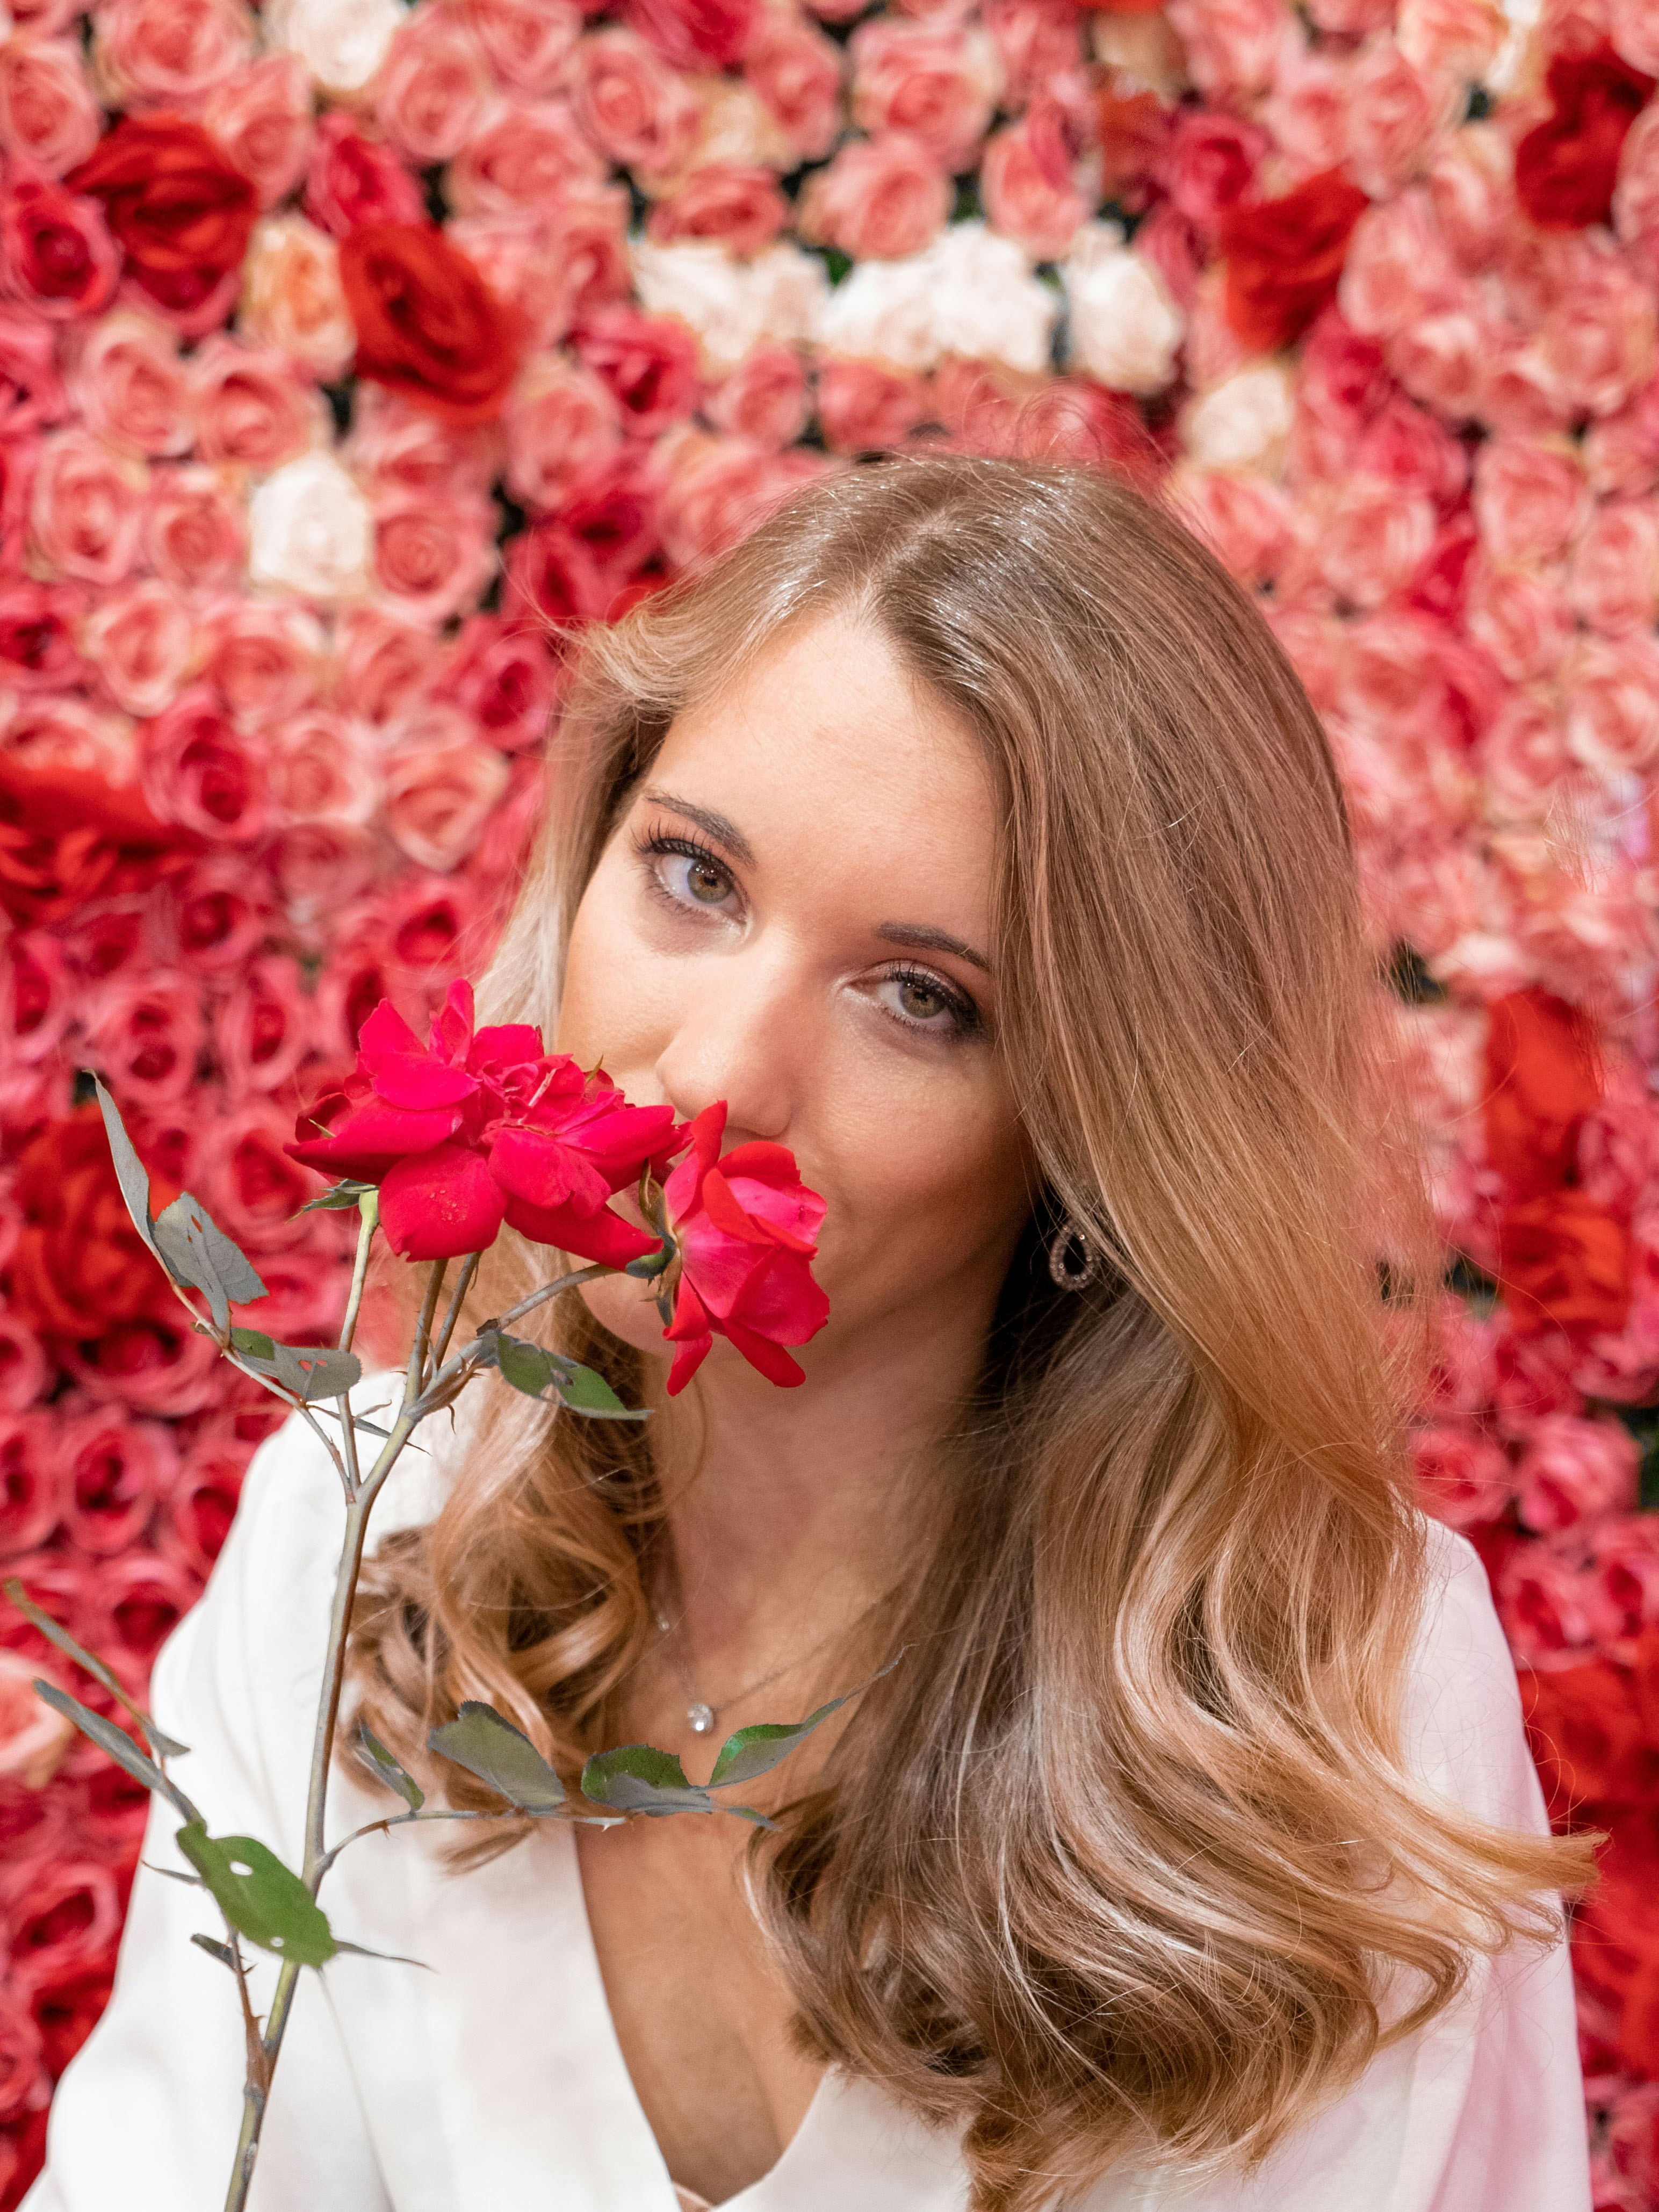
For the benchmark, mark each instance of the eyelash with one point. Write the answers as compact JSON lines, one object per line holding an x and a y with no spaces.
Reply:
{"x":964,"y":1014}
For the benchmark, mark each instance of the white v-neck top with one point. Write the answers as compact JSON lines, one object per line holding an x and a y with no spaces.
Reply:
{"x":495,"y":2081}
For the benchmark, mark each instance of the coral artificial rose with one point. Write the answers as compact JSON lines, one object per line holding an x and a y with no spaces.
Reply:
{"x":142,"y":641}
{"x":1566,"y":166}
{"x":354,"y":180}
{"x":167,"y":52}
{"x":86,"y":509}
{"x":747,"y":1229}
{"x":195,"y":530}
{"x":739,"y":207}
{"x":33,"y":1736}
{"x":524,"y":154}
{"x":1599,"y":342}
{"x":251,"y":409}
{"x":1285,"y":257}
{"x":1395,"y":112}
{"x":1397,"y":267}
{"x":80,"y":1265}
{"x":648,"y":363}
{"x":939,"y":85}
{"x":1370,"y":539}
{"x":1463,"y":1477}
{"x":266,"y":662}
{"x":434,"y":559}
{"x":1572,"y":1471}
{"x":527,"y":42}
{"x":178,"y":211}
{"x":1530,"y":499}
{"x":1310,"y":111}
{"x":1522,"y":618}
{"x":325,"y":766}
{"x":1030,"y":189}
{"x":638,"y":112}
{"x":132,"y":388}
{"x":864,"y":408}
{"x":479,"y":1127}
{"x":428,"y":325}
{"x":561,"y":421}
{"x":397,"y":447}
{"x":696,"y":34}
{"x":1231,"y":45}
{"x":796,"y":72}
{"x":883,"y":198}
{"x":764,"y":400}
{"x":262,"y":119}
{"x":1471,"y":178}
{"x":721,"y":489}
{"x":56,"y":252}
{"x":385,"y":665}
{"x":432,"y":88}
{"x":47,"y":113}
{"x":292,"y":299}
{"x":1612,"y":691}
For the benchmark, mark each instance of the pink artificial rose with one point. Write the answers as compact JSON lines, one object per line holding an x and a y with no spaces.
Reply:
{"x":1232,"y":45}
{"x":1310,"y":109}
{"x":1633,"y":34}
{"x":261,"y":118}
{"x":214,"y":914}
{"x":1625,"y":1555}
{"x":527,"y":42}
{"x":120,"y":1468}
{"x":1519,"y":616}
{"x":198,"y":769}
{"x":1636,"y":195}
{"x":1598,"y":342}
{"x":356,"y":180}
{"x":1030,"y":187}
{"x":881,"y":198}
{"x":1451,"y":37}
{"x":387,"y":664}
{"x":1247,"y":522}
{"x":939,"y":84}
{"x":562,"y":421}
{"x":142,"y":641}
{"x":293,"y":301}
{"x":318,"y":867}
{"x":747,"y":1229}
{"x":267,"y":661}
{"x":56,"y":252}
{"x":557,"y":265}
{"x":1404,"y":445}
{"x":553,"y":578}
{"x":1395,"y":113}
{"x":696,"y":35}
{"x":438,"y":798}
{"x":1036,"y":41}
{"x":397,"y":448}
{"x":33,"y":1489}
{"x":48,"y":117}
{"x":433,"y":560}
{"x":649,"y":363}
{"x":1442,"y":361}
{"x":1471,"y":176}
{"x":25,"y":1375}
{"x":325,"y":767}
{"x":1530,"y":499}
{"x":523,"y":154}
{"x":1398,"y":267}
{"x":252,"y":1189}
{"x":132,"y":388}
{"x":33,"y":1736}
{"x":431,"y":89}
{"x":195,"y":528}
{"x":723,"y":490}
{"x":146,"y":1033}
{"x":638,"y":112}
{"x":734,"y":205}
{"x":127,"y":1611}
{"x":86,"y":509}
{"x":504,"y":681}
{"x":250,"y":406}
{"x":1459,"y":1382}
{"x":1613,"y":579}
{"x":1370,"y":539}
{"x":1462,"y":1477}
{"x":1209,"y":164}
{"x":764,"y":399}
{"x":37,"y":625}
{"x":1552,"y":1605}
{"x":1612,"y":691}
{"x":1519,"y":395}
{"x":50,"y":731}
{"x":31,"y":390}
{"x":1572,"y":1471}
{"x":167,"y":53}
{"x":796,"y":73}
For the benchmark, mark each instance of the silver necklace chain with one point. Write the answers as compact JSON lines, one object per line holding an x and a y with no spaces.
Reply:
{"x":700,"y":1715}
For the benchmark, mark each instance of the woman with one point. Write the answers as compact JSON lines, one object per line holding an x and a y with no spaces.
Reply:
{"x":966,"y":831}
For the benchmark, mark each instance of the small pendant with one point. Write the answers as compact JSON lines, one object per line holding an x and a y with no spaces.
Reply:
{"x":701,"y":1717}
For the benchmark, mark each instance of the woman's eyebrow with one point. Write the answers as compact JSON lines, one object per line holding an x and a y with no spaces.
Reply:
{"x":930,"y":940}
{"x":711,"y":824}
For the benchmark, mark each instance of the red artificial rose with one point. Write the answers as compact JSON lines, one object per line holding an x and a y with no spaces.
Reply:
{"x":428,"y":325}
{"x":32,"y":1481}
{"x":694,"y":35}
{"x":1588,"y":1738}
{"x":1566,"y":166}
{"x":181,"y":213}
{"x":1542,"y":1078}
{"x":1285,"y":257}
{"x":649,"y":361}
{"x":477,"y":1127}
{"x":354,"y":180}
{"x":747,"y":1228}
{"x":1564,"y":1262}
{"x":79,"y":1266}
{"x":55,"y":253}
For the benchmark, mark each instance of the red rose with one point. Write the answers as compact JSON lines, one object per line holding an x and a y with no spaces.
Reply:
{"x":1285,"y":257}
{"x":356,"y":180}
{"x":181,"y":213}
{"x":56,"y":252}
{"x":428,"y":325}
{"x":79,"y":1264}
{"x":1564,"y":1262}
{"x":1542,"y":1078}
{"x":747,"y":1227}
{"x":1566,"y":166}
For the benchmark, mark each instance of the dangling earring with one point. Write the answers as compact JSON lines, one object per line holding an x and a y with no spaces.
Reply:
{"x":1073,"y":1272}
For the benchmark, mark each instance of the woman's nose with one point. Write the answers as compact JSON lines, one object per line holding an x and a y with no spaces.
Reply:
{"x":739,"y":1038}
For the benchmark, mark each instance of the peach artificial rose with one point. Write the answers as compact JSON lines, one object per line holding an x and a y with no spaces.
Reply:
{"x":764,"y":400}
{"x":325,"y":767}
{"x":430,"y":93}
{"x":796,"y":72}
{"x":939,"y":83}
{"x":640,"y":114}
{"x":1030,"y":189}
{"x":864,"y":408}
{"x":261,"y":118}
{"x":167,"y":53}
{"x":1395,"y":113}
{"x":439,"y":797}
{"x":561,"y":422}
{"x":292,"y":299}
{"x":86,"y":509}
{"x":266,"y":659}
{"x":432,"y":559}
{"x":527,"y":42}
{"x":1519,"y":616}
{"x":1600,"y":340}
{"x":1398,"y":267}
{"x":1471,"y":178}
{"x":1232,"y":45}
{"x":47,"y":113}
{"x":195,"y":527}
{"x":250,"y":406}
{"x":1613,"y":580}
{"x":734,"y":205}
{"x":523,"y":154}
{"x":141,"y":640}
{"x":1611,"y":686}
{"x":132,"y":388}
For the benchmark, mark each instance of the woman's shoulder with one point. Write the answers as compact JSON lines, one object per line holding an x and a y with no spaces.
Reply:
{"x":1462,"y":1729}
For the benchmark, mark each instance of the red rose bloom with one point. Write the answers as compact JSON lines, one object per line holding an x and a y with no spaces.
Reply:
{"x":1564,"y":1262}
{"x":1285,"y":257}
{"x":475,"y":1128}
{"x":1542,"y":1078}
{"x":56,"y":252}
{"x":747,"y":1227}
{"x":1566,"y":166}
{"x":428,"y":325}
{"x":79,"y":1266}
{"x":180,"y":213}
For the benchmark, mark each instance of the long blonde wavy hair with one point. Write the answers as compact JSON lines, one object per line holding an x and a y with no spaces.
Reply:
{"x":1081,"y":1877}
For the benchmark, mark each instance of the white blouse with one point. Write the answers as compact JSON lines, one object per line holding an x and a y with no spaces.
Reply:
{"x":496,"y":2080}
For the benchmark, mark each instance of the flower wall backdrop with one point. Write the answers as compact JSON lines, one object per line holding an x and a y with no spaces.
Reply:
{"x":351,"y":354}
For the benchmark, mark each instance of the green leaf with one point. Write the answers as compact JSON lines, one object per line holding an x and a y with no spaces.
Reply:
{"x":261,"y":1897}
{"x":381,"y":1762}
{"x":164,"y":1746}
{"x":117,"y":1742}
{"x":199,"y":1254}
{"x":129,"y":1170}
{"x":636,"y":1777}
{"x":536,"y":1371}
{"x":589,"y":1393}
{"x":335,"y":1199}
{"x":756,"y":1750}
{"x":309,"y":1371}
{"x":480,"y":1740}
{"x":392,"y":1958}
{"x":215,"y":1949}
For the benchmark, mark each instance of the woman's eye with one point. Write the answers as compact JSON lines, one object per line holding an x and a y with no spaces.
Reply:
{"x":690,"y":875}
{"x":920,"y":1003}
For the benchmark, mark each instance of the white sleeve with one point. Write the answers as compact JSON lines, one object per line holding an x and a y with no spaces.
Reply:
{"x":147,"y":2115}
{"x":1483,"y":2109}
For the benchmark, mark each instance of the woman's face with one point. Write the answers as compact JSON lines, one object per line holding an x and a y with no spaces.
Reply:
{"x":794,"y":914}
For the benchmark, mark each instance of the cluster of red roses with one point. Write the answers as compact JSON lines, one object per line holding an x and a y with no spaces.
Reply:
{"x":342,"y":346}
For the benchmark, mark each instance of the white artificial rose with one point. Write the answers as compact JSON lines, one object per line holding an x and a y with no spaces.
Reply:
{"x":341,"y":42}
{"x":1125,"y":329}
{"x":1241,"y":423}
{"x":987,"y":305}
{"x":310,"y":530}
{"x":731,"y":306}
{"x":292,"y":296}
{"x":884,"y":310}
